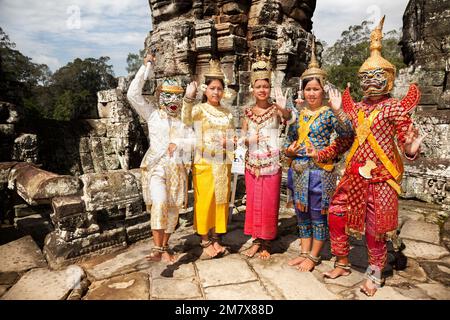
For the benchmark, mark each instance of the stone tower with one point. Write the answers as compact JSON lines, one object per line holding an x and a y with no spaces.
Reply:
{"x":426,"y":51}
{"x":198,"y":30}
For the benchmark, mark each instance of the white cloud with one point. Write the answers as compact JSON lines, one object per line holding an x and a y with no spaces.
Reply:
{"x":47,"y":30}
{"x":56,"y":32}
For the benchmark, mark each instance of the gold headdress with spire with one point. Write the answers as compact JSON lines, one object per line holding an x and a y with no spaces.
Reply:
{"x":215,"y":71}
{"x":376,"y":61}
{"x":314,"y":70}
{"x":261,"y":68}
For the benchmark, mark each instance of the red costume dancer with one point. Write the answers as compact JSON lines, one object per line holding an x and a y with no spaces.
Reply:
{"x":366,"y":199}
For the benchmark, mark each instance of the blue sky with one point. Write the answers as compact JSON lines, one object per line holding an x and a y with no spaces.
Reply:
{"x":56,"y":32}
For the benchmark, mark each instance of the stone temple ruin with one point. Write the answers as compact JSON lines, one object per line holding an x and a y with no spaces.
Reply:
{"x":75,"y":187}
{"x":426,"y":51}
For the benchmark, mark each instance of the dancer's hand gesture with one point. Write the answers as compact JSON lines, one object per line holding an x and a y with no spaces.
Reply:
{"x":299,"y":101}
{"x":335,"y":99}
{"x":149,"y":58}
{"x":413,"y":140}
{"x":191,"y":90}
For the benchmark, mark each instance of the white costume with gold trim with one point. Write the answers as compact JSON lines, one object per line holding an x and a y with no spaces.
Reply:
{"x":164,"y":178}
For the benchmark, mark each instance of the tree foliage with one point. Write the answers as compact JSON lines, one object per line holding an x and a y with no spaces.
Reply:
{"x":75,"y":87}
{"x":19,"y":77}
{"x":343,"y":60}
{"x":67,"y":94}
{"x":134,"y":61}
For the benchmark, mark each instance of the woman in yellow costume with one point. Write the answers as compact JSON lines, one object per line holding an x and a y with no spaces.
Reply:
{"x":213,"y":126}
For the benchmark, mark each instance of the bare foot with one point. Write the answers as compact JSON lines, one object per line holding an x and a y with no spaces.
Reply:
{"x":306,"y":266}
{"x":336,"y":273}
{"x":154,"y":256}
{"x":210,"y":251}
{"x":296,"y":261}
{"x":264,"y":255}
{"x":219,"y":249}
{"x":169,"y":258}
{"x":368,"y":288}
{"x":250,"y":252}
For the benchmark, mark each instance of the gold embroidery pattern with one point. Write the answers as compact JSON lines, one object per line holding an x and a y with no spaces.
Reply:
{"x":218,"y":120}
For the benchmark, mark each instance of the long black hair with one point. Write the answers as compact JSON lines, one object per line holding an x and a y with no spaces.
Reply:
{"x":208,"y":82}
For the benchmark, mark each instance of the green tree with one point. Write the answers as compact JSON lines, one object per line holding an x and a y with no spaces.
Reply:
{"x":19,"y":77}
{"x":134,"y":61}
{"x":343,"y":60}
{"x":75,"y":87}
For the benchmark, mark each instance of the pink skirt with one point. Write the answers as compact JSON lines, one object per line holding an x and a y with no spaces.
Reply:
{"x":263,"y":203}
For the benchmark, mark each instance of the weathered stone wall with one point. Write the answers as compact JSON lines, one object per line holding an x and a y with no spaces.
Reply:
{"x":426,"y":50}
{"x":196,"y":31}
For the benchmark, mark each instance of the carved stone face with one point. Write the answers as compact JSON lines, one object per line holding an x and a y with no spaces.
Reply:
{"x":163,"y":9}
{"x":374,"y":82}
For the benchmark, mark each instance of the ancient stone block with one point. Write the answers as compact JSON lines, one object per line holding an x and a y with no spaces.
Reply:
{"x":65,"y":206}
{"x":98,"y":159}
{"x":23,"y":254}
{"x":139,"y":232}
{"x":421,"y":231}
{"x":232,"y":43}
{"x":427,"y":180}
{"x":104,"y":109}
{"x":108,"y":190}
{"x":9,"y":113}
{"x":120,"y":130}
{"x":134,"y":286}
{"x":44,"y":284}
{"x":120,"y":111}
{"x":7,"y":130}
{"x":24,"y":210}
{"x":86,"y":162}
{"x":5,"y":169}
{"x":59,"y":252}
{"x":37,"y":186}
{"x":97,"y":127}
{"x":26,"y":148}
{"x":109,"y":95}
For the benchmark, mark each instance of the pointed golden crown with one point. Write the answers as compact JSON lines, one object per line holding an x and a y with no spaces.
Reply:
{"x":375,"y":60}
{"x":261,"y":68}
{"x":314,"y":70}
{"x":215,"y":71}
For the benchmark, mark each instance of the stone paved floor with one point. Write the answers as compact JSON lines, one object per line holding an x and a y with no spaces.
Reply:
{"x":128,"y":275}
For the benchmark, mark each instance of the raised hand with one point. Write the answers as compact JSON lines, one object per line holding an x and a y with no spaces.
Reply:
{"x":191,"y":90}
{"x":299,"y":101}
{"x":280,"y":98}
{"x":413,"y":140}
{"x":335,"y":99}
{"x":281,"y":103}
{"x":149,"y":58}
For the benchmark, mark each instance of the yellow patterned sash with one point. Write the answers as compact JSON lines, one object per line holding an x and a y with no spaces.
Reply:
{"x":304,"y":129}
{"x":364,"y":133}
